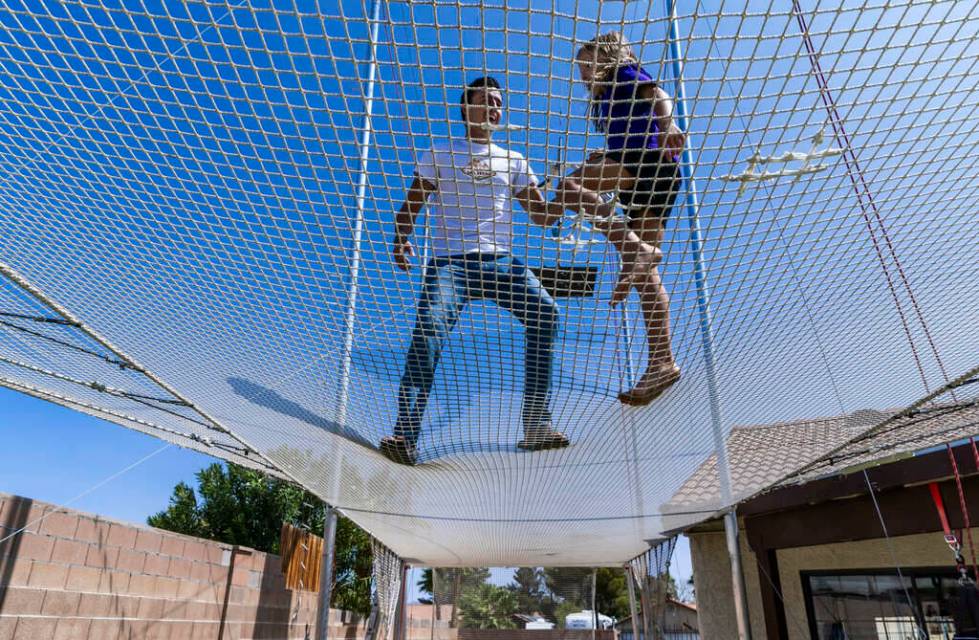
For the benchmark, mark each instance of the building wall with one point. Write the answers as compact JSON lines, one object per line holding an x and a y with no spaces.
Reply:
{"x":77,"y":576}
{"x":679,"y":618}
{"x":712,"y":575}
{"x":419,"y":624}
{"x":715,"y":590}
{"x":924,"y":550}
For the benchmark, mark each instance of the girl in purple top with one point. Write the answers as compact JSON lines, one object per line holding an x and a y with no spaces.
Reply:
{"x":641,"y":164}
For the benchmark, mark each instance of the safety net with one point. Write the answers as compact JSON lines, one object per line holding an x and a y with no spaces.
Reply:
{"x":197,"y":216}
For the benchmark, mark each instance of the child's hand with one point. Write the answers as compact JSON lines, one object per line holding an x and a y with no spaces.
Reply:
{"x":672,"y":141}
{"x":606,"y":209}
{"x":401,"y":251}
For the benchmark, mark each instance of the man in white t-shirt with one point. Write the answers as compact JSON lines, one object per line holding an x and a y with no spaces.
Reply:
{"x":474,"y":183}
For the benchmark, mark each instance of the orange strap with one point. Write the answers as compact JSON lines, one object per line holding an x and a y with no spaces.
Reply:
{"x":950,"y":538}
{"x":936,"y":497}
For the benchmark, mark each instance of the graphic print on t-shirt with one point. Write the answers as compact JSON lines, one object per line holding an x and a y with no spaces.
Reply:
{"x":473,"y":207}
{"x":479,"y":170}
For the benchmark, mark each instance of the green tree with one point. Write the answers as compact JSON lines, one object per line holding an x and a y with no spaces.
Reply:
{"x":487,"y":606}
{"x":449,"y":586}
{"x":353,"y":562}
{"x":182,"y":515}
{"x":611,"y":592}
{"x":246,"y":507}
{"x":668,"y":582}
{"x":425,"y":585}
{"x":569,"y":590}
{"x":528,"y":586}
{"x":568,"y":584}
{"x":689,"y":592}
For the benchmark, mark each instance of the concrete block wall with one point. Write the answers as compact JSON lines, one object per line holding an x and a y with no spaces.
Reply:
{"x":76,"y":576}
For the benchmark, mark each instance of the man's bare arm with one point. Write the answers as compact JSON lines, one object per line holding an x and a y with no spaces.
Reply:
{"x":542,"y":212}
{"x":404,"y":221}
{"x":569,"y":195}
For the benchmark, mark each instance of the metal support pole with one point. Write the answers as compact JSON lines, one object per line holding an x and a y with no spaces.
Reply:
{"x":326,"y":573}
{"x":633,"y":609}
{"x":731,"y":535}
{"x":632,"y":442}
{"x":401,"y":631}
{"x":594,"y":606}
{"x":707,"y":334}
{"x":365,"y":141}
{"x":435,"y":606}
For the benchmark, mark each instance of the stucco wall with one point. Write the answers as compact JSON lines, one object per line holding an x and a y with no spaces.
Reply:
{"x":715,"y":591}
{"x":712,"y":575}
{"x":924,"y":550}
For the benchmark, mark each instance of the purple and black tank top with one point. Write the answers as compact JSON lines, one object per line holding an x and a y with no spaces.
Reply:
{"x":629,"y":122}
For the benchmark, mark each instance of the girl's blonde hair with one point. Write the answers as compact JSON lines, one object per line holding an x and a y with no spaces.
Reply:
{"x":612,"y":51}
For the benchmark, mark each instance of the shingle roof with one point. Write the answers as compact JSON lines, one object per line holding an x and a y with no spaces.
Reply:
{"x":764,"y":456}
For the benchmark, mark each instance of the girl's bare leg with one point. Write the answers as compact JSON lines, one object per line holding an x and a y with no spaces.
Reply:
{"x":638,"y":258}
{"x":641,"y":255}
{"x":581,"y":190}
{"x":661,"y":370}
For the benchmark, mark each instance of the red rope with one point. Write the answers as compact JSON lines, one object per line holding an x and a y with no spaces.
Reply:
{"x":962,"y":505}
{"x":936,"y":497}
{"x":861,"y":189}
{"x":950,"y":539}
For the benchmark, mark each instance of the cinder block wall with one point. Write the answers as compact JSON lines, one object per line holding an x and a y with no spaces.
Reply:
{"x":77,"y":576}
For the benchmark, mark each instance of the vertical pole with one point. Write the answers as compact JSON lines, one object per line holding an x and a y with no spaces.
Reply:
{"x":365,"y":141}
{"x":326,"y":573}
{"x":435,"y":606}
{"x":630,"y":365}
{"x":630,"y":422}
{"x":707,"y":334}
{"x":633,"y":610}
{"x":594,"y":606}
{"x":402,"y":615}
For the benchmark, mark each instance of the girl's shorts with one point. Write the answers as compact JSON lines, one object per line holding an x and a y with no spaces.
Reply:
{"x":657,"y":183}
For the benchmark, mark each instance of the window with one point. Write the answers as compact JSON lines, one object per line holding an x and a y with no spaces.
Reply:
{"x":880,"y":605}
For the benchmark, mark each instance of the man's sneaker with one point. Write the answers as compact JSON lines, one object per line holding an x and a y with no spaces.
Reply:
{"x":398,"y":449}
{"x":540,"y":439}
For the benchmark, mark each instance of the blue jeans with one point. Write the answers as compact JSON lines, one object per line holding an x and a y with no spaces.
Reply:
{"x":450,"y":283}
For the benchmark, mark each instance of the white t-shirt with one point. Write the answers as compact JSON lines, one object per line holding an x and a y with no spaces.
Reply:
{"x":473,"y":205}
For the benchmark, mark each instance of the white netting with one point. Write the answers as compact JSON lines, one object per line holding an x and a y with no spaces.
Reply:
{"x":650,"y":576}
{"x":387,"y":596}
{"x":562,"y":598}
{"x":183,"y":178}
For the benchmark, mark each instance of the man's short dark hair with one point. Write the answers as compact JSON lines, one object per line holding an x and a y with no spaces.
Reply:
{"x":479,"y":84}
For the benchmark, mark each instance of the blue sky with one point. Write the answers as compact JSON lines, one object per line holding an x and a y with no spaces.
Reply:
{"x":182,"y":177}
{"x":54,"y":454}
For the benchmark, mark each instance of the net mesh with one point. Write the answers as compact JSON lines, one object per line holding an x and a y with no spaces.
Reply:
{"x":186,"y":180}
{"x":650,"y":573}
{"x":387,"y":596}
{"x":562,"y":598}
